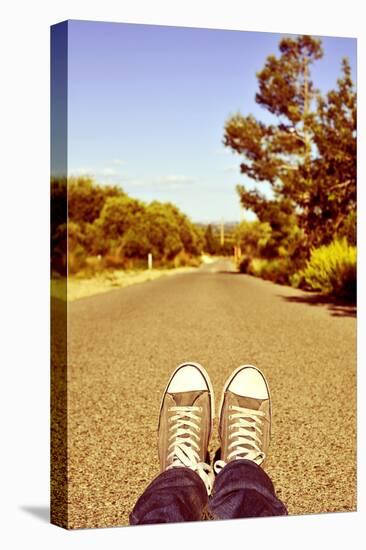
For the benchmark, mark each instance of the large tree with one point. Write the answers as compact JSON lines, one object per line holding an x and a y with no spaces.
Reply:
{"x":332,"y":198}
{"x":298,"y":154}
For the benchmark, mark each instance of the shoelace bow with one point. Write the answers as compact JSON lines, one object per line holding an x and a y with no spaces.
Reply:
{"x":246,"y":436}
{"x":183,"y":449}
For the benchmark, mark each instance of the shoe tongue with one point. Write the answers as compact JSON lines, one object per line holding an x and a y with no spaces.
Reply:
{"x":249,"y":402}
{"x":186,"y":398}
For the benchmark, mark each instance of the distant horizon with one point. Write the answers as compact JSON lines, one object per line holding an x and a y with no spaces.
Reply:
{"x":147,"y":106}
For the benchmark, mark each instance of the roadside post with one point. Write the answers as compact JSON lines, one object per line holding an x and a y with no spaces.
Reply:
{"x":149,"y":261}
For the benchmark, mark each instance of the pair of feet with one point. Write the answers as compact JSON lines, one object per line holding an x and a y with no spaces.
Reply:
{"x":186,"y":420}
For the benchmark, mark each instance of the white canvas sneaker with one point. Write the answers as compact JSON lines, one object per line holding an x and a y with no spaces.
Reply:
{"x":245,"y":417}
{"x":185,"y":422}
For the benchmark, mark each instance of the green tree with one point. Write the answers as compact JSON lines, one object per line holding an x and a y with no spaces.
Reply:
{"x":211,"y":242}
{"x":331,"y":201}
{"x":253,"y":237}
{"x":135,"y":241}
{"x":298,"y":155}
{"x":163,"y":231}
{"x":86,"y":199}
{"x":103,"y":220}
{"x":118,"y":215}
{"x":189,"y":234}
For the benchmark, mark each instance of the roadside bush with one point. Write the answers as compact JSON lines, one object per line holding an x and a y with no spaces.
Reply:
{"x":332,"y":269}
{"x":276,"y":270}
{"x":92,"y":266}
{"x":113,"y":261}
{"x":182,"y":259}
{"x":297,"y":280}
{"x":244,"y":264}
{"x":77,"y":259}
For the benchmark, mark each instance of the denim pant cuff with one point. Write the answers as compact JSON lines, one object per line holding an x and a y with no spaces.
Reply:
{"x":177,"y":494}
{"x":243,"y":489}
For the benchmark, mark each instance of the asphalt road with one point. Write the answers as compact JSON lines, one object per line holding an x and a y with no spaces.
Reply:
{"x":124,"y":344}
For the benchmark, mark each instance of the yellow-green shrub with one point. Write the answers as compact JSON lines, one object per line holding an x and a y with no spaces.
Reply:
{"x":332,"y":269}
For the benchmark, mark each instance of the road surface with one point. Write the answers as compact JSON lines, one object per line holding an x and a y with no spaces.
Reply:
{"x":124,"y":344}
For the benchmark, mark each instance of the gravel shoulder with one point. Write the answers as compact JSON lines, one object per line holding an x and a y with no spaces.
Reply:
{"x":77,"y":287}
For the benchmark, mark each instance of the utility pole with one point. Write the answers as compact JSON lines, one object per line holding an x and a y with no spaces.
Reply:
{"x":222,"y":233}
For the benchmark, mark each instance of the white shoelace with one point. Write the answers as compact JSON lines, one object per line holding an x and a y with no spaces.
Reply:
{"x":246,"y":432}
{"x":184,"y":448}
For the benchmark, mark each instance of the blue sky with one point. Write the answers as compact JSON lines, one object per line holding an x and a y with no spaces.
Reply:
{"x":147,"y":106}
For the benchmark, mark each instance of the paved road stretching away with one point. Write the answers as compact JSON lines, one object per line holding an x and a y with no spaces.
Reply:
{"x":124,"y":344}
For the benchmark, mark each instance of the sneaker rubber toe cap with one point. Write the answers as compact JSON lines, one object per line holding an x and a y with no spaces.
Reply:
{"x":249,"y":382}
{"x":187,"y":378}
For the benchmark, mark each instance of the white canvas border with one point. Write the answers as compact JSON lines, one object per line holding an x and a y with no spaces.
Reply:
{"x":24,"y":273}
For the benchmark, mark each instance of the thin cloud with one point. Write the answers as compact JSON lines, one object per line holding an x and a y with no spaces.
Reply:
{"x":82,"y":171}
{"x":174,"y":180}
{"x":163,"y":183}
{"x":135,"y":182}
{"x":109,"y":172}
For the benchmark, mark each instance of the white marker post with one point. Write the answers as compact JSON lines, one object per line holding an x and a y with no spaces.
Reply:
{"x":149,"y":261}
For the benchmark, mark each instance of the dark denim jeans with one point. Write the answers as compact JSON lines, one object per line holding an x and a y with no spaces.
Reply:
{"x":241,"y":490}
